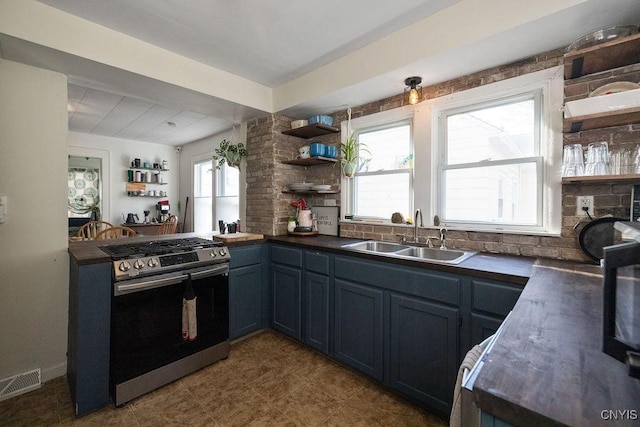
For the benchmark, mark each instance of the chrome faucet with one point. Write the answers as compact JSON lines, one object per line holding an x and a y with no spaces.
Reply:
{"x":415,"y":225}
{"x":443,"y":238}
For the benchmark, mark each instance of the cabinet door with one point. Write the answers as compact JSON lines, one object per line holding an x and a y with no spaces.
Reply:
{"x":423,"y":350}
{"x":316,"y":295}
{"x":245,"y":302}
{"x":482,"y":327}
{"x":358,"y":327}
{"x":286,"y":286}
{"x":89,"y":329}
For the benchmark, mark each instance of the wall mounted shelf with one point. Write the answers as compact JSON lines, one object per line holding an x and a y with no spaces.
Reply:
{"x":601,"y":179}
{"x":311,"y":161}
{"x":311,"y":131}
{"x":601,"y":57}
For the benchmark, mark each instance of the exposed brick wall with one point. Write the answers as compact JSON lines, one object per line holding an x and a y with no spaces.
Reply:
{"x":611,"y":199}
{"x":268,"y":208}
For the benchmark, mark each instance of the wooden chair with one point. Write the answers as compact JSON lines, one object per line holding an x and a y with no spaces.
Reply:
{"x":92,"y":228}
{"x":169,"y":226}
{"x":116,"y":232}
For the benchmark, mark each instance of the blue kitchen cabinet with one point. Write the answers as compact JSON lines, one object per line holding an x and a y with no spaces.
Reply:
{"x":423,"y":342}
{"x":89,"y":330}
{"x":491,"y":301}
{"x":286,"y":290}
{"x":247,"y":290}
{"x":317,"y":297}
{"x":359,"y":327}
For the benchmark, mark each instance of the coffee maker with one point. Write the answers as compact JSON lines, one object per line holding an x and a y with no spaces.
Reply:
{"x":162,"y":210}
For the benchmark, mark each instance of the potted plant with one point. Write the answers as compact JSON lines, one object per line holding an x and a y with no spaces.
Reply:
{"x":230,"y":153}
{"x":351,"y":155}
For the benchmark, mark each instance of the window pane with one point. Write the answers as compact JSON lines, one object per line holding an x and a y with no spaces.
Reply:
{"x":381,"y":195}
{"x":504,"y":194}
{"x":203,"y":180}
{"x":203,"y":196}
{"x":495,"y":133}
{"x":228,"y":181}
{"x":389,"y":148}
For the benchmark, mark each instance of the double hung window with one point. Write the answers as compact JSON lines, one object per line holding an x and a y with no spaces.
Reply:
{"x":383,"y":182}
{"x":490,"y":166}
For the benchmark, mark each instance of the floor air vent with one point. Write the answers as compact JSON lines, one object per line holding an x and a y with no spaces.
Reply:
{"x":19,"y":384}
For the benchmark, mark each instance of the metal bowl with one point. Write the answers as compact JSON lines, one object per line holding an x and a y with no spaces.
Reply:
{"x":602,"y":36}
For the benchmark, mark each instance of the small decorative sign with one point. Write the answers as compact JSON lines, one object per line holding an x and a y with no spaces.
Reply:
{"x":328,"y":217}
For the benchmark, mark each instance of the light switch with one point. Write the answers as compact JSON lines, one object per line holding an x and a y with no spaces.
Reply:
{"x":3,"y":208}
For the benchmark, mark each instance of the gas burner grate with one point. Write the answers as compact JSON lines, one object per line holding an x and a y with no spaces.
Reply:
{"x":158,"y":247}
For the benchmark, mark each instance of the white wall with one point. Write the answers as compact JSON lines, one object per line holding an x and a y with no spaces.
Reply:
{"x":121,"y":152}
{"x":200,"y":150}
{"x":34,"y":263}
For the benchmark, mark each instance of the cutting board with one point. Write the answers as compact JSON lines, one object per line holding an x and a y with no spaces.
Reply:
{"x":238,"y":237}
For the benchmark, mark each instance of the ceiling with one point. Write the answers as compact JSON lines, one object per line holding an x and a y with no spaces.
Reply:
{"x":173,"y":72}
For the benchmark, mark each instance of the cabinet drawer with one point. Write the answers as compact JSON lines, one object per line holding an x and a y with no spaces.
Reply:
{"x":245,"y":255}
{"x":433,"y":285}
{"x":316,"y":262}
{"x":286,"y":256}
{"x":492,"y":297}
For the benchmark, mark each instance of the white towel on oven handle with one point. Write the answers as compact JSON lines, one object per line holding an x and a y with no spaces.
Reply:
{"x":189,"y":315}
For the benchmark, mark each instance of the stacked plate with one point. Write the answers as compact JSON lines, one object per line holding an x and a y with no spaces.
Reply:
{"x":321,"y":187}
{"x":301,"y":186}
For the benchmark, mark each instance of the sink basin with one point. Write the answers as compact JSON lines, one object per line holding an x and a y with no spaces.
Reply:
{"x":397,"y":250}
{"x":450,"y":256}
{"x":376,"y":246}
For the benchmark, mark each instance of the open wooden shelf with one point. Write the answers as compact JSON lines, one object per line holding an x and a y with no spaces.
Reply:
{"x":601,"y":179}
{"x":601,"y":57}
{"x":311,"y":131}
{"x":311,"y":161}
{"x":311,"y":192}
{"x":602,"y":120}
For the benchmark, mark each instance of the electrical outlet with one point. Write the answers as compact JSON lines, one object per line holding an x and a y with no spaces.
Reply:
{"x":584,"y":202}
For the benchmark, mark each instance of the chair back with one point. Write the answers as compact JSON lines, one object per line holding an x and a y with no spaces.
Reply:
{"x":169,"y":226}
{"x":116,"y":232}
{"x":91,"y":229}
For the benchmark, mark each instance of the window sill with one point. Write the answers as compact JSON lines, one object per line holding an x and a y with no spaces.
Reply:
{"x":388,"y":223}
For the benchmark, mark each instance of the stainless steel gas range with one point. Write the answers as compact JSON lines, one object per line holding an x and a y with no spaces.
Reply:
{"x":169,"y":312}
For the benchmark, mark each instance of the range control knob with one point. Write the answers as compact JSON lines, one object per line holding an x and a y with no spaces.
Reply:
{"x":213,"y":253}
{"x":152,"y":262}
{"x":124,"y":266}
{"x":138,"y":264}
{"x":222,"y":252}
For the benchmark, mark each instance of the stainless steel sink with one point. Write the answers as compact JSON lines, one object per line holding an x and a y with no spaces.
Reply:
{"x":376,"y":246}
{"x":397,"y":250}
{"x":450,"y":256}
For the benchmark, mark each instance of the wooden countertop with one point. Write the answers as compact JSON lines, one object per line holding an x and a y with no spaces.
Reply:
{"x":514,"y":269}
{"x":547,"y":367}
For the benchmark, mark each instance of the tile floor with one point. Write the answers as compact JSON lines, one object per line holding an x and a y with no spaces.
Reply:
{"x":268,"y":379}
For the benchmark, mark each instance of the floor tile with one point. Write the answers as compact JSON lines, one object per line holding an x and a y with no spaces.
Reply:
{"x":268,"y":380}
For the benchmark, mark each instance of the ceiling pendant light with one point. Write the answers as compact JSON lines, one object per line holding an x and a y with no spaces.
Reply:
{"x":413,"y":91}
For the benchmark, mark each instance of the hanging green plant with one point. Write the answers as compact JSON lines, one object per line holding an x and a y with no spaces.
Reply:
{"x":232,"y":154}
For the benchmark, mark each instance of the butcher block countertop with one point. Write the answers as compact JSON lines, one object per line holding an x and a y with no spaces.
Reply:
{"x":547,"y":367}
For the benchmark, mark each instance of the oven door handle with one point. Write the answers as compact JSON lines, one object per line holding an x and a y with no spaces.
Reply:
{"x":125,"y":288}
{"x":216,"y":271}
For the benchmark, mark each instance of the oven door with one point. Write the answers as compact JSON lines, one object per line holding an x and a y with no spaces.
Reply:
{"x":146,"y":319}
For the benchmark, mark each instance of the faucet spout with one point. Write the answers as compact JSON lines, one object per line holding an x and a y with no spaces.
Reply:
{"x":415,"y":225}
{"x":443,"y":238}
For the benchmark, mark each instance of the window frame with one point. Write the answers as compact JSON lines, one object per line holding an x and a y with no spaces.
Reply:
{"x":374,"y":122}
{"x":550,"y":84}
{"x":443,"y":164}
